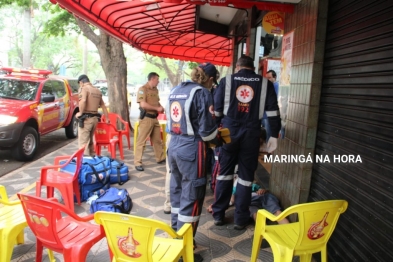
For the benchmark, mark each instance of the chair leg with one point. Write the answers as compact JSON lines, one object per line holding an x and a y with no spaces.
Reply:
{"x":305,"y":257}
{"x":77,"y":192}
{"x":20,"y":238}
{"x":7,"y":243}
{"x":38,"y":188}
{"x":39,"y":248}
{"x":256,"y":246}
{"x":324,"y":254}
{"x":51,"y":256}
{"x":50,"y":191}
{"x":128,"y":141}
{"x":121,"y":152}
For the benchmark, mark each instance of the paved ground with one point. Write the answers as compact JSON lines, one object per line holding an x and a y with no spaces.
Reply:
{"x":147,"y":192}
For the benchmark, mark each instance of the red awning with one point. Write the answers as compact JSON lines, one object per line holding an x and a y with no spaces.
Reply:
{"x":161,"y":28}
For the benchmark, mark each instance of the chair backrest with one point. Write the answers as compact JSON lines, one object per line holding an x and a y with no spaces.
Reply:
{"x":161,"y":116}
{"x":117,"y":121}
{"x":317,"y":221}
{"x":103,"y":133}
{"x":77,"y":157}
{"x":130,"y":237}
{"x":42,"y":216}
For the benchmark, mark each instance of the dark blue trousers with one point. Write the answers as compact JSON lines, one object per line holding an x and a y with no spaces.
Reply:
{"x":243,"y":150}
{"x":187,"y":161}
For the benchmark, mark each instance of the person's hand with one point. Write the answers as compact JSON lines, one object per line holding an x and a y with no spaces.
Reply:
{"x":160,"y":109}
{"x":271,"y":144}
{"x":261,"y":191}
{"x":78,"y":114}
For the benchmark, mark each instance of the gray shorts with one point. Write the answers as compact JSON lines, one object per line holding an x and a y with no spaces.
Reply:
{"x":266,"y":201}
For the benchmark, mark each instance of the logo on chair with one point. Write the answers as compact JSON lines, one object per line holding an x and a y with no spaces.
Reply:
{"x":128,"y":245}
{"x":316,"y":228}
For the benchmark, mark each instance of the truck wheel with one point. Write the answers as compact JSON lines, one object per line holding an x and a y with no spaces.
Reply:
{"x":72,"y":129}
{"x":27,"y":145}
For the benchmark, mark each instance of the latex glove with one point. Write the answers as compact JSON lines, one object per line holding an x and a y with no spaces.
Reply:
{"x":271,"y":144}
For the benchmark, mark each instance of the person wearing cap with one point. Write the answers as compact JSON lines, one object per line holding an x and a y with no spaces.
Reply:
{"x":149,"y":101}
{"x":90,"y":99}
{"x":191,"y":125}
{"x":240,"y":101}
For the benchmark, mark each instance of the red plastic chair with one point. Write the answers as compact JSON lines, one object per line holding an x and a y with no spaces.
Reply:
{"x":59,"y":229}
{"x":113,"y":117}
{"x":103,"y":136}
{"x":66,"y":183}
{"x":161,"y":116}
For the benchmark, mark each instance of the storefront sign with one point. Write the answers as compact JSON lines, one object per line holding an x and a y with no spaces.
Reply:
{"x":273,"y":23}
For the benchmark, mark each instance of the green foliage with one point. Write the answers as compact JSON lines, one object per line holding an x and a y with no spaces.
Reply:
{"x":61,"y":22}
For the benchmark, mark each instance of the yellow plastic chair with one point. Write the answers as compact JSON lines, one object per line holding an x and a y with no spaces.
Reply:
{"x":132,"y":238}
{"x":12,"y":223}
{"x":317,"y":221}
{"x":163,"y":134}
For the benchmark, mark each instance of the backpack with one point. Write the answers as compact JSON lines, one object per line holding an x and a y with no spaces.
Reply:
{"x":113,"y":200}
{"x":93,"y":177}
{"x":119,"y":172}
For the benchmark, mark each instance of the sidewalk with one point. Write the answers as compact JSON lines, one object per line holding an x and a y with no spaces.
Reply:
{"x":147,"y":192}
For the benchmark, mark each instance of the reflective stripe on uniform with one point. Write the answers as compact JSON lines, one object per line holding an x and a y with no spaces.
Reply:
{"x":263,"y":97}
{"x":210,"y":137}
{"x":187,"y":106}
{"x":227,"y":93}
{"x":227,"y":177}
{"x":244,"y":182}
{"x":188,"y":219}
{"x":175,"y":210}
{"x":218,"y":114}
{"x":273,"y":113}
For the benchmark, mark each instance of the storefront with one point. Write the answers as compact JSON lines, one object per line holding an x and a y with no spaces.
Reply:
{"x":335,"y":75}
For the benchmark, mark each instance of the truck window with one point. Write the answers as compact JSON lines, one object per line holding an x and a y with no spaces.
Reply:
{"x":59,"y":89}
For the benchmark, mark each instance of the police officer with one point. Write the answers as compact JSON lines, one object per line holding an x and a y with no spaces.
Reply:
{"x":149,"y":102}
{"x":240,"y":101}
{"x":191,"y":124}
{"x":90,"y":99}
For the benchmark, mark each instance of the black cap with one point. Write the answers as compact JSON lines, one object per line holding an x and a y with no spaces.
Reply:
{"x":211,"y":71}
{"x":81,"y":77}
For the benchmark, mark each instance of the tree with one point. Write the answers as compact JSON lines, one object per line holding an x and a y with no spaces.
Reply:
{"x":111,"y":52}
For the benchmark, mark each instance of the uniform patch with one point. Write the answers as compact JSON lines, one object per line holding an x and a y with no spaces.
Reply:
{"x":244,"y":93}
{"x":176,"y":111}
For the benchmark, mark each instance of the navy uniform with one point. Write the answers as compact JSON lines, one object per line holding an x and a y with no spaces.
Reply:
{"x":191,"y":124}
{"x":240,"y":101}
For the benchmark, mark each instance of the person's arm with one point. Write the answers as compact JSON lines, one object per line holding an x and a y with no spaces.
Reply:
{"x":147,"y":106}
{"x":272,"y":110}
{"x":219,"y":93}
{"x":105,"y":110}
{"x":82,"y":101}
{"x":207,"y":124}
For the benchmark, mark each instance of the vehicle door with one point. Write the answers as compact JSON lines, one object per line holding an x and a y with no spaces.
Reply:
{"x":49,"y":108}
{"x":63,"y":99}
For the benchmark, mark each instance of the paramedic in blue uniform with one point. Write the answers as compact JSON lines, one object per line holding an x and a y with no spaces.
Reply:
{"x":191,"y":125}
{"x":240,"y":100}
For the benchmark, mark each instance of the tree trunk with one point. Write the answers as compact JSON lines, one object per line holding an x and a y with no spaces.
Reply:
{"x":114,"y":64}
{"x":26,"y":62}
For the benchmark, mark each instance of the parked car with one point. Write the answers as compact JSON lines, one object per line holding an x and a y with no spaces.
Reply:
{"x":103,"y":86}
{"x":33,"y":103}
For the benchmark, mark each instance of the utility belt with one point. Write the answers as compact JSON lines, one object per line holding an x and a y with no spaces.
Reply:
{"x":82,"y":118}
{"x":88,"y":115}
{"x":151,"y":115}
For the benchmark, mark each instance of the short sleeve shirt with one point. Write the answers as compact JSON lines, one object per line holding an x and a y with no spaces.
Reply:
{"x":92,"y":96}
{"x":149,"y":95}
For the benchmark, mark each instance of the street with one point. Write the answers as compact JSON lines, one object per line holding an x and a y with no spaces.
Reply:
{"x":48,"y":144}
{"x":58,"y":139}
